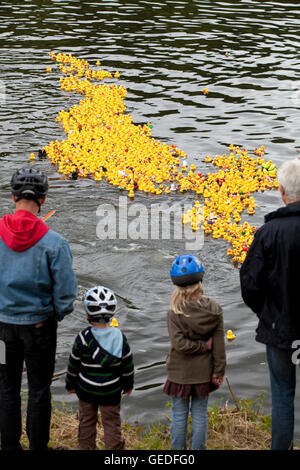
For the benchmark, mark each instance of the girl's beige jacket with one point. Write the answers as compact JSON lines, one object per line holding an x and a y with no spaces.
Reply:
{"x":189,"y":361}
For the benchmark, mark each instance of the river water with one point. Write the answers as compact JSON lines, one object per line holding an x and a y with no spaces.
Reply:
{"x":247,"y":54}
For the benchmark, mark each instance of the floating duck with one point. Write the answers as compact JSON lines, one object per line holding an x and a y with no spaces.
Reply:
{"x":269,"y":168}
{"x":230,"y":335}
{"x":114,"y":322}
{"x":42,"y":153}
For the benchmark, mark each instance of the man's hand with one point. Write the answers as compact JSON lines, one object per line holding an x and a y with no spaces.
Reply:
{"x":209,"y":344}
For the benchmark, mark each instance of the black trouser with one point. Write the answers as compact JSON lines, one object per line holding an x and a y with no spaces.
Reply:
{"x":36,"y":345}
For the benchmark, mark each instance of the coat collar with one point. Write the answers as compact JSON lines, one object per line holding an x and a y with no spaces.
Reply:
{"x":291,"y":209}
{"x":97,"y":352}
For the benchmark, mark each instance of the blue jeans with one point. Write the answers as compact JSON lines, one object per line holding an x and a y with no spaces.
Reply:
{"x":283,"y":384}
{"x":180,"y":410}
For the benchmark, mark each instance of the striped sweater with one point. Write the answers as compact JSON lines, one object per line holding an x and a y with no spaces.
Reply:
{"x":96,"y":375}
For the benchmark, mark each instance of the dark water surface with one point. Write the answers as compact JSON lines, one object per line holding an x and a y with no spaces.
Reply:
{"x":247,"y":54}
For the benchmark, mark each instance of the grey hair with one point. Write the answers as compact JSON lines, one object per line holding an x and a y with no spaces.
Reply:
{"x":289,"y":177}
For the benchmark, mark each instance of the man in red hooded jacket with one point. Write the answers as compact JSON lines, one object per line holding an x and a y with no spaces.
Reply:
{"x":37,"y":289}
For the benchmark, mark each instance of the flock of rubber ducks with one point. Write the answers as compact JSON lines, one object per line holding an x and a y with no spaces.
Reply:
{"x":103,"y":143}
{"x":227,"y":195}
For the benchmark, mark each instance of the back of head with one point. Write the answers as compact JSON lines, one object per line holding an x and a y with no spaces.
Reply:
{"x":289,"y":178}
{"x":100,"y":304}
{"x":29,"y":184}
{"x":182,"y":296}
{"x":186,"y":273}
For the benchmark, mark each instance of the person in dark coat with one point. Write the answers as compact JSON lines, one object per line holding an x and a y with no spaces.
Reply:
{"x":270,"y":279}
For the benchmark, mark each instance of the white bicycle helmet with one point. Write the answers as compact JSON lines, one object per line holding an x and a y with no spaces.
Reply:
{"x":100,"y":302}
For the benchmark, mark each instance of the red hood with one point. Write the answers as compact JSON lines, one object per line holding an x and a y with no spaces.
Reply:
{"x":21,"y":230}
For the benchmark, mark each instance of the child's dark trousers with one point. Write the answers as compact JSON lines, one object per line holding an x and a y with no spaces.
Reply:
{"x":111,"y":422}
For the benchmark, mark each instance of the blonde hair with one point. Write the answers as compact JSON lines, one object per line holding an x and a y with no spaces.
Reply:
{"x":183,"y":295}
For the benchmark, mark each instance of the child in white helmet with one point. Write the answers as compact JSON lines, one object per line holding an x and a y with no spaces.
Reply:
{"x":100,"y":369}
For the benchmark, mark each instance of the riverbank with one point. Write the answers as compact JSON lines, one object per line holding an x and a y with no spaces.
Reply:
{"x":239,"y":427}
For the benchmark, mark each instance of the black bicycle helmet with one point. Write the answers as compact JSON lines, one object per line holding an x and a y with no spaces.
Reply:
{"x":28,"y":183}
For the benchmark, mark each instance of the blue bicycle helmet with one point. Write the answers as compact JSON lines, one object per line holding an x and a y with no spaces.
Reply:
{"x":186,"y":270}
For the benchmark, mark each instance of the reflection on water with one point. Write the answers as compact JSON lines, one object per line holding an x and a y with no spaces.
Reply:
{"x":246,"y":53}
{"x":152,"y":365}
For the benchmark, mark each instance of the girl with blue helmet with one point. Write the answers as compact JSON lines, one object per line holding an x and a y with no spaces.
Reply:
{"x":196,"y":360}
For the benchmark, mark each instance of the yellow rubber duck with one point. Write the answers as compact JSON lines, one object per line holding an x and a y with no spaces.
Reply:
{"x":230,"y":335}
{"x":114,"y":322}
